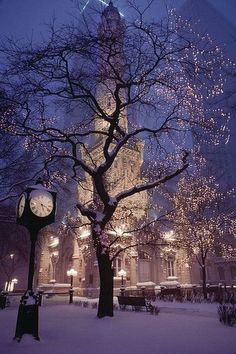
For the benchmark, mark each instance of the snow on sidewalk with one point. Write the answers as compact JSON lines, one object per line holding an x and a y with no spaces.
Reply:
{"x":70,"y":329}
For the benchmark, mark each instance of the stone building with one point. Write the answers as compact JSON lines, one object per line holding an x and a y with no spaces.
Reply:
{"x":144,"y":265}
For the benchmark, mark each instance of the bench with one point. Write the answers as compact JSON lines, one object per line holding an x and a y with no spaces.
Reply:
{"x":136,"y":302}
{"x":51,"y":294}
{"x":171,"y":293}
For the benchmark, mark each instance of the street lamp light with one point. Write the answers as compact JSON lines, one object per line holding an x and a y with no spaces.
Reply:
{"x":71,"y":273}
{"x":122,"y":274}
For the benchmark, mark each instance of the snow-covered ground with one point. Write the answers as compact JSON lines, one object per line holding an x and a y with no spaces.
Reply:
{"x":180,"y":328}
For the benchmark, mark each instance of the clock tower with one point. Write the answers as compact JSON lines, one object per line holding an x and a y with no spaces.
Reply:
{"x":111,"y":33}
{"x":125,"y":171}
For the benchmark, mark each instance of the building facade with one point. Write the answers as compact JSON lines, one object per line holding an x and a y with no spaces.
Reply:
{"x":142,"y":264}
{"x":145,"y":265}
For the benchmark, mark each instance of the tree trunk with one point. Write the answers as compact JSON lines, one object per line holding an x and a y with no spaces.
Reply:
{"x":105,"y":305}
{"x":204,"y":289}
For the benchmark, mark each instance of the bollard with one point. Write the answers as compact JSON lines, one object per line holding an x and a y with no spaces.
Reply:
{"x":40,"y":297}
{"x":143,"y":290}
{"x":71,"y":292}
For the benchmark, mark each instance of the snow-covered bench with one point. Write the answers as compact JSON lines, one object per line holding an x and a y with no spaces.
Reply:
{"x":136,"y":302}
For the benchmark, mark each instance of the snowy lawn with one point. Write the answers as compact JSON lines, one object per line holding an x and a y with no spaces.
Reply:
{"x":180,"y":328}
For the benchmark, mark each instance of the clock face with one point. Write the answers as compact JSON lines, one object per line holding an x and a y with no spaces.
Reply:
{"x":21,"y":205}
{"x":41,"y":203}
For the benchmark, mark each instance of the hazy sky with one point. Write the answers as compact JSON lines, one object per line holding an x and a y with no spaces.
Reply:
{"x":22,"y":18}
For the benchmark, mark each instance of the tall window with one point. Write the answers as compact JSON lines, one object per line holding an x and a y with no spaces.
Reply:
{"x":170,"y":266}
{"x":90,"y":278}
{"x":233,"y":272}
{"x":144,"y":266}
{"x":109,"y":102}
{"x":221,"y":272}
{"x":116,"y":266}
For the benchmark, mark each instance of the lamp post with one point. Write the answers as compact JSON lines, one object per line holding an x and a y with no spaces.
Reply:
{"x":122,"y":274}
{"x":36,"y":209}
{"x":71,"y":273}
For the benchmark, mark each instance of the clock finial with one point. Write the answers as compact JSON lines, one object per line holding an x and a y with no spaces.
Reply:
{"x":39,"y":181}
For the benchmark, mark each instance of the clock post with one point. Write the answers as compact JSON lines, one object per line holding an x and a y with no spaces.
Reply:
{"x":33,"y":239}
{"x":36,"y":209}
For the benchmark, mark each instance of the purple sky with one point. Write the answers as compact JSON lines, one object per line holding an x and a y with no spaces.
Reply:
{"x":22,"y":18}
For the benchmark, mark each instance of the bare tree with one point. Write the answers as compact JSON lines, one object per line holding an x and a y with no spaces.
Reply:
{"x":17,"y":165}
{"x":126,"y":83}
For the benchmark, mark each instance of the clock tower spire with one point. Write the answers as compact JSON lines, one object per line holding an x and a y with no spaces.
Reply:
{"x":111,"y":66}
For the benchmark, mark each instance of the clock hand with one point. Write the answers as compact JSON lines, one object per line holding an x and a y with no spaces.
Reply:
{"x":45,"y":206}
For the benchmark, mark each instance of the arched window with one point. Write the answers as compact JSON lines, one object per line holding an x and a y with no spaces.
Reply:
{"x":144,"y":255}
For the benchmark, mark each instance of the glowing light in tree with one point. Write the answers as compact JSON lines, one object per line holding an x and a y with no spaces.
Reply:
{"x":169,"y":236}
{"x":201,"y":219}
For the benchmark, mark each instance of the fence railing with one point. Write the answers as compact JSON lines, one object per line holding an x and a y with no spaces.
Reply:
{"x":13,"y":298}
{"x":215,"y":293}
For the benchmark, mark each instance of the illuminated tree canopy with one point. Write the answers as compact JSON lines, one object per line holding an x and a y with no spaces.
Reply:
{"x":202,"y":219}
